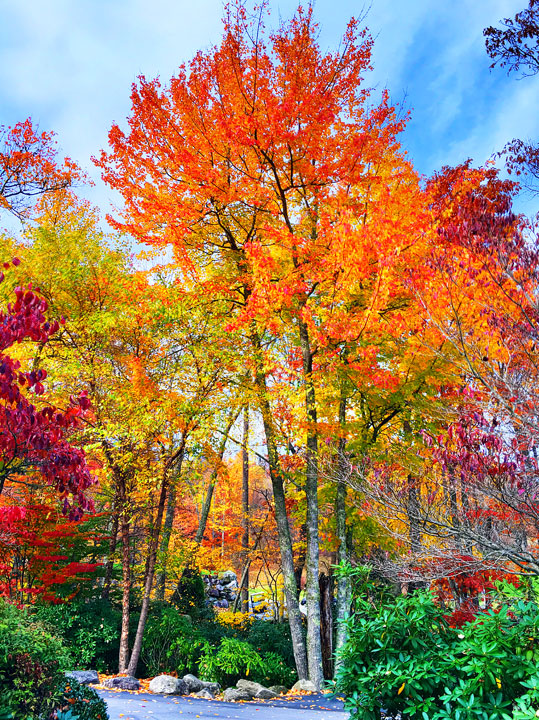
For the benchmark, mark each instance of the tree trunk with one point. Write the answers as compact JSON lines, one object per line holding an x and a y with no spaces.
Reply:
{"x":109,"y":567}
{"x":206,"y":507}
{"x":245,"y":512}
{"x":126,"y":575}
{"x":326,"y":623}
{"x":314,"y":648}
{"x":148,"y":581}
{"x":161,"y":578}
{"x":344,"y":586}
{"x":281,"y":517}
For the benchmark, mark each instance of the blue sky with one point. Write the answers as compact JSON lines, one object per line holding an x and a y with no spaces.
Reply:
{"x":69,"y":64}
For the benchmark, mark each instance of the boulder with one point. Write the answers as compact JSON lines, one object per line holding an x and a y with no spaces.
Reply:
{"x":213,"y":687}
{"x":168,"y":685}
{"x":85,"y":677}
{"x":235,"y":695}
{"x":194,"y":685}
{"x":123,"y":683}
{"x":249,"y":686}
{"x":205,"y":693}
{"x":227,"y":577}
{"x":278,"y":689}
{"x":265,"y":694}
{"x":304,"y":686}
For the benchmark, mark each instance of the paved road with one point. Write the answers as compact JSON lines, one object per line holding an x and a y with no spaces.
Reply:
{"x":129,"y":706}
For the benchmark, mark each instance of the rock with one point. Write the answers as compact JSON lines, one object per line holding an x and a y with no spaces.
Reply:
{"x":205,"y":693}
{"x":278,"y":689}
{"x":213,"y":593}
{"x":123,"y":683}
{"x":168,"y":685}
{"x":235,"y":694}
{"x":249,"y":686}
{"x":85,"y":677}
{"x":227,"y":577}
{"x":265,"y":694}
{"x":194,"y":685}
{"x":213,"y":687}
{"x":304,"y":686}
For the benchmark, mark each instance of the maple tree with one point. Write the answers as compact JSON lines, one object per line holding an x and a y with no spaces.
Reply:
{"x":280,"y":192}
{"x":32,"y":437}
{"x":29,"y":167}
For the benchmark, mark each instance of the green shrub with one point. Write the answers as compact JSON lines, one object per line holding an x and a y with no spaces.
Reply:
{"x":275,"y":671}
{"x":189,"y":596}
{"x":266,"y":636}
{"x":31,"y":660}
{"x":171,"y":643}
{"x":232,"y":660}
{"x":403,"y":657}
{"x":91,"y":630}
{"x":81,"y":702}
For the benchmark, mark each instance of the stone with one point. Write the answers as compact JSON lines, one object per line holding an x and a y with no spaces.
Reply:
{"x":213,"y":687}
{"x":213,"y":593}
{"x":278,"y":689}
{"x":235,"y":695}
{"x":194,"y":685}
{"x":249,"y":686}
{"x":168,"y":685}
{"x":123,"y":683}
{"x":227,"y":577}
{"x":85,"y":677}
{"x":205,"y":693}
{"x":304,"y":686}
{"x":265,"y":694}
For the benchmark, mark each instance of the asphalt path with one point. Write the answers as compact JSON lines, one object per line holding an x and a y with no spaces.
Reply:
{"x":130,"y":706}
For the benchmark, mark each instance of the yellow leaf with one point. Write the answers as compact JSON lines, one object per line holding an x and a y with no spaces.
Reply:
{"x":498,"y":682}
{"x":401,"y":688}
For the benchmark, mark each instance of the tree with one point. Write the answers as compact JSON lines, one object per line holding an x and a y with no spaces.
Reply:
{"x":32,"y":438}
{"x":473,"y":471}
{"x":29,"y":167}
{"x":280,"y":190}
{"x":516,"y":47}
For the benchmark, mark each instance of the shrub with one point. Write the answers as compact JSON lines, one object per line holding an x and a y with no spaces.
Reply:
{"x":403,"y":657}
{"x":79,"y":702}
{"x":31,"y":659}
{"x":267,"y":636}
{"x":171,"y":643}
{"x":90,"y":629}
{"x":233,"y":659}
{"x":275,"y":671}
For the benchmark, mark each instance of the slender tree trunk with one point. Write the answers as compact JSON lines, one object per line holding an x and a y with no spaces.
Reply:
{"x":206,"y":507}
{"x":160,"y":582}
{"x":109,"y":567}
{"x":326,"y":623}
{"x":281,"y":517}
{"x":126,"y":574}
{"x":344,"y":587}
{"x":412,"y":509}
{"x":150,"y":573}
{"x":245,"y":512}
{"x":301,"y":557}
{"x":314,"y":647}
